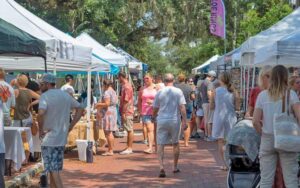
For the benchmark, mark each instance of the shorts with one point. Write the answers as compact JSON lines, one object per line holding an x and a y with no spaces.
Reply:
{"x":147,"y":118}
{"x":211,"y":116}
{"x":200,"y":112}
{"x":189,"y":111}
{"x":128,"y":123}
{"x":205,"y":108}
{"x":23,"y":123}
{"x":167,"y":131}
{"x":53,"y":158}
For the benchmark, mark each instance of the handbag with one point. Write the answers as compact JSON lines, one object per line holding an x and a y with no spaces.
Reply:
{"x":99,"y":135}
{"x":34,"y":127}
{"x":286,"y":129}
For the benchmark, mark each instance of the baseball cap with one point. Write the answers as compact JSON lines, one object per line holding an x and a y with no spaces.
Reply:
{"x":212,"y":73}
{"x":48,"y":77}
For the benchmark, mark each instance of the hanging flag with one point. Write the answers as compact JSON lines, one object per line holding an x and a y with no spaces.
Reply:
{"x":217,"y":18}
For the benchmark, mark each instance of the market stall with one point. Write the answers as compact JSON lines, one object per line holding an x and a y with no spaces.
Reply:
{"x":64,"y":53}
{"x":205,"y":66}
{"x":285,"y":51}
{"x":20,"y":50}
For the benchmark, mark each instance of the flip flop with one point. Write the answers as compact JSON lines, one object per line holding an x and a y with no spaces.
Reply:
{"x":162,"y":173}
{"x":224,"y":168}
{"x":107,"y":154}
{"x":176,"y":171}
{"x":148,"y":151}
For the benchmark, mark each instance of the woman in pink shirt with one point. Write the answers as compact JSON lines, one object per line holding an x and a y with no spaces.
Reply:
{"x":146,"y":98}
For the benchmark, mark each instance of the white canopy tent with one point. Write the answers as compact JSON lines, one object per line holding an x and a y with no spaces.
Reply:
{"x":100,"y":51}
{"x":64,"y":53}
{"x":16,"y":62}
{"x":213,"y":58}
{"x":214,"y":64}
{"x":285,"y":51}
{"x":284,"y":27}
{"x":133,"y":63}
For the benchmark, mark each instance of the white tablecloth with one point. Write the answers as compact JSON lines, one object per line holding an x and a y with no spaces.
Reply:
{"x":14,"y":149}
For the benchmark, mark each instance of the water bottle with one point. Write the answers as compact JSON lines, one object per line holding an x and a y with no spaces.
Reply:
{"x":89,"y":152}
{"x":43,"y":180}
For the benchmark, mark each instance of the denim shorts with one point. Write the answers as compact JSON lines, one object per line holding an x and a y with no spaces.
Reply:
{"x":147,"y":118}
{"x":189,"y":111}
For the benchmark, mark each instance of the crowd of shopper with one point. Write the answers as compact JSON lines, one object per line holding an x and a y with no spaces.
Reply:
{"x":170,"y":109}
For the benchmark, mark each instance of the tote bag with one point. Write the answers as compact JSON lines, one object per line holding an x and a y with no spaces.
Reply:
{"x":286,"y":129}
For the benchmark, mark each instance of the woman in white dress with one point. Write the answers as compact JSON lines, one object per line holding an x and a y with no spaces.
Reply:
{"x":225,"y":102}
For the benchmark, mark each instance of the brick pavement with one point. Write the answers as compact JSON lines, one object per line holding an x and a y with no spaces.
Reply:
{"x":198,"y":163}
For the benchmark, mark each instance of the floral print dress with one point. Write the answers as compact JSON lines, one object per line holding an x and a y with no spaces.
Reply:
{"x":109,"y":115}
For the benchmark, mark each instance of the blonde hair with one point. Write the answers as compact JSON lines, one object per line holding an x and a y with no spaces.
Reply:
{"x":148,"y":74}
{"x":225,"y":77}
{"x":292,"y":81}
{"x":278,"y":82}
{"x":181,"y":77}
{"x":265,"y":70}
{"x":22,"y":80}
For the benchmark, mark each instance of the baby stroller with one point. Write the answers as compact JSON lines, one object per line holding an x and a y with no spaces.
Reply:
{"x":242,"y":155}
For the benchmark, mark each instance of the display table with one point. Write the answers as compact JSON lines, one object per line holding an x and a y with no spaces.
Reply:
{"x":79,"y":132}
{"x":14,"y":149}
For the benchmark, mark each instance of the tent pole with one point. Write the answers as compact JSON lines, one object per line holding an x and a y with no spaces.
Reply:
{"x":46,"y":69}
{"x":54,"y":70}
{"x":248,"y":85}
{"x":241,"y":84}
{"x":253,"y":77}
{"x":244,"y":87}
{"x":88,"y":104}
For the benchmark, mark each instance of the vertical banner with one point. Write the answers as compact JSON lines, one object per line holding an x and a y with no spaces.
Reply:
{"x":217,"y":18}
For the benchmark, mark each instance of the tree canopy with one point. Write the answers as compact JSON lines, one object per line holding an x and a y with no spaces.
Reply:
{"x":169,"y":35}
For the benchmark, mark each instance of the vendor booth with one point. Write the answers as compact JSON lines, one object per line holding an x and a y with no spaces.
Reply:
{"x":285,"y":51}
{"x":284,"y":27}
{"x":63,"y":51}
{"x":205,"y":66}
{"x":19,"y":49}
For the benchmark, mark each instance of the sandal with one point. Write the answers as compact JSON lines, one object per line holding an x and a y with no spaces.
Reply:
{"x":224,"y":168}
{"x":148,"y":151}
{"x":176,"y":171}
{"x":107,"y":154}
{"x":162,"y":173}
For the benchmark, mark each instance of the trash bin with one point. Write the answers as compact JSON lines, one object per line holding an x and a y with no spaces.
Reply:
{"x":81,"y":147}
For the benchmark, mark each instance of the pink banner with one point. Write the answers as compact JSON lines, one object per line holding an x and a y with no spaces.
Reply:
{"x":217,"y":18}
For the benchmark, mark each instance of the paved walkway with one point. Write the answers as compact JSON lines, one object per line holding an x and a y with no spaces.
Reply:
{"x":198,"y":163}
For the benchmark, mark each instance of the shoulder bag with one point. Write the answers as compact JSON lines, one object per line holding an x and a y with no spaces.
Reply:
{"x":286,"y":129}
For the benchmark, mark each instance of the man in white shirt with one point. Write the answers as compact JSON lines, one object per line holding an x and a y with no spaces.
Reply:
{"x":5,"y":94}
{"x":68,"y":86}
{"x":169,"y":107}
{"x":53,"y":118}
{"x":11,"y":100}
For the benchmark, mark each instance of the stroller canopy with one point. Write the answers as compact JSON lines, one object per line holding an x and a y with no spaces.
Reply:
{"x":243,"y":134}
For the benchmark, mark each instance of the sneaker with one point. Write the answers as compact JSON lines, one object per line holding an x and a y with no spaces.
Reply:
{"x":126,"y":152}
{"x":211,"y":139}
{"x":197,"y":135}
